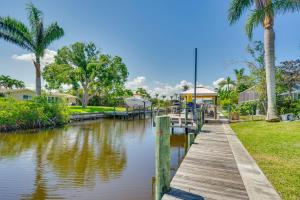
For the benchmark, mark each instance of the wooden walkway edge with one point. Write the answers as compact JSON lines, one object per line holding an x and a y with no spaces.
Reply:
{"x":217,"y":166}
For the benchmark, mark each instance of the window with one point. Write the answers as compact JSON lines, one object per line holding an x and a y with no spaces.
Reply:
{"x":27,"y":97}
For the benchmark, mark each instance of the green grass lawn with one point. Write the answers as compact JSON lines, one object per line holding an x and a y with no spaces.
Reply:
{"x":276,"y":149}
{"x":93,"y":109}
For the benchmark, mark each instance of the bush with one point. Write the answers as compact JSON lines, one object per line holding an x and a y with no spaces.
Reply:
{"x":247,"y":108}
{"x":286,"y":106}
{"x":37,"y":113}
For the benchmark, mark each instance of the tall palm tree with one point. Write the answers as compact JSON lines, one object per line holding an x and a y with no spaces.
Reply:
{"x":34,"y":38}
{"x":263,"y":12}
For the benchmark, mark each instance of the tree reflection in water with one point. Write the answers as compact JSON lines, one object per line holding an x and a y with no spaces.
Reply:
{"x":80,"y":156}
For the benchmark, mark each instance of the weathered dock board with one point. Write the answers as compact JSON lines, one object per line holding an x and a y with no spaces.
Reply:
{"x":210,"y":170}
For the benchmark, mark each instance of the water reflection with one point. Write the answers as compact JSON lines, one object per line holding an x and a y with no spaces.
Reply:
{"x":84,"y":160}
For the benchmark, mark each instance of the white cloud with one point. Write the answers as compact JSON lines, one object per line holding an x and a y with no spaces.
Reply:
{"x":217,"y":82}
{"x":47,"y":59}
{"x":138,"y":82}
{"x":160,"y":88}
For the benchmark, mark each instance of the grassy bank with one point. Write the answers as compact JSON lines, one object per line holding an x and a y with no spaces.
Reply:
{"x":276,"y":149}
{"x":93,"y":109}
{"x":37,"y":113}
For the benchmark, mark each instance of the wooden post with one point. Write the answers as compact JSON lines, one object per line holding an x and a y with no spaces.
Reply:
{"x":215,"y":108}
{"x":162,"y":155}
{"x":199,"y":120}
{"x":144,"y":110}
{"x":191,"y":138}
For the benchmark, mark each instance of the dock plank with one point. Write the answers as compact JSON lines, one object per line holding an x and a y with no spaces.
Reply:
{"x":209,"y":170}
{"x":217,"y":166}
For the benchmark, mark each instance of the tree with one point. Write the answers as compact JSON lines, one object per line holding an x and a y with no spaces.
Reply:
{"x":81,"y":66}
{"x":143,"y":93}
{"x":9,"y":83}
{"x":263,"y":13}
{"x":185,"y":87}
{"x":227,"y":84}
{"x":243,"y":81}
{"x":257,"y":72}
{"x":290,"y":74}
{"x":34,"y":38}
{"x":239,"y":74}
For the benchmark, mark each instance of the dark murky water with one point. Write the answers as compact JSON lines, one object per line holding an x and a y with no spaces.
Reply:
{"x":103,"y":159}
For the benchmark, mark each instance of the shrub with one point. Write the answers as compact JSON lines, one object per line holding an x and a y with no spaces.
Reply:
{"x":247,"y":108}
{"x":37,"y":113}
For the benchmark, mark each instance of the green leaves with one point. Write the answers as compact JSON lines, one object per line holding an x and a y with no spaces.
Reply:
{"x":83,"y":67}
{"x":9,"y":83}
{"x":284,"y":6}
{"x":262,"y":9}
{"x":33,"y":38}
{"x":236,"y":9}
{"x":15,"y":32}
{"x":255,"y":18}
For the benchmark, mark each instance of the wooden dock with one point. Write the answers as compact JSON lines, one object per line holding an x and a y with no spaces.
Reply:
{"x":212,"y":169}
{"x":120,"y":115}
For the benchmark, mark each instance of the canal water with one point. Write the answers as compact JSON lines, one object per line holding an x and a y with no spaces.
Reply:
{"x":103,"y":159}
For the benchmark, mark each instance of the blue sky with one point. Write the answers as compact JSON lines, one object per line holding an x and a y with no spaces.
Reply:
{"x":155,"y":38}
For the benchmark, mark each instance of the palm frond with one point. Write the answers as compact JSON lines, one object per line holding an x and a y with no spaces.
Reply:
{"x":34,"y":16}
{"x":53,"y":32}
{"x":255,"y":18}
{"x":284,"y":6}
{"x":16,"y":28}
{"x":236,"y":9}
{"x":14,"y":39}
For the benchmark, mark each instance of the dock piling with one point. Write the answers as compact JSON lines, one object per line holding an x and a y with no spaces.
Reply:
{"x":162,"y":155}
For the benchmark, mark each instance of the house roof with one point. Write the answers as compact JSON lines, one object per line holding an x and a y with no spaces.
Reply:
{"x":16,"y":90}
{"x":61,"y":95}
{"x":200,"y":91}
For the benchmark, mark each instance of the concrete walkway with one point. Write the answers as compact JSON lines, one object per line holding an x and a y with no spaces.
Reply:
{"x":217,"y":166}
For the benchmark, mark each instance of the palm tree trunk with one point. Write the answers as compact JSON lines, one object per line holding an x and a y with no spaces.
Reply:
{"x":38,"y":84}
{"x":269,"y":37}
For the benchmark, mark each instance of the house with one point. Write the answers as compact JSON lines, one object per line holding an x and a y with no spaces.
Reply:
{"x":27,"y":94}
{"x":70,"y":99}
{"x":203,"y":95}
{"x":249,"y":95}
{"x":295,"y":93}
{"x":18,"y":94}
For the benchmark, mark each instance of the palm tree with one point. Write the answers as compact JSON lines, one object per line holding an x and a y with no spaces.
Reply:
{"x":239,"y":74}
{"x":34,"y":38}
{"x":227,"y":83}
{"x":9,"y":83}
{"x":263,"y":13}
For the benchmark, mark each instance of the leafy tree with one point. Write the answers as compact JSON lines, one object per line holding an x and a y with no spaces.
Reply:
{"x":9,"y":83}
{"x":257,"y":72}
{"x":143,"y":93}
{"x":263,"y":12}
{"x":88,"y":72}
{"x":35,"y":38}
{"x":290,"y":74}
